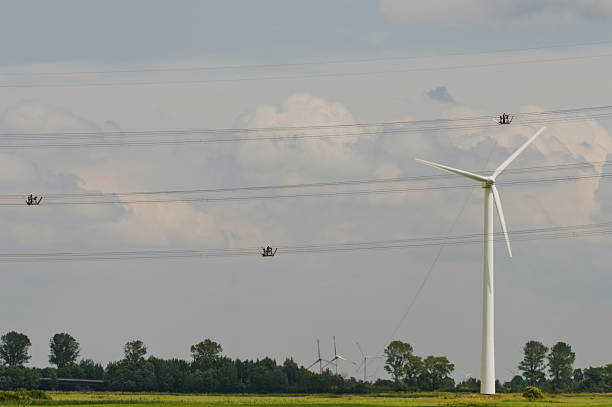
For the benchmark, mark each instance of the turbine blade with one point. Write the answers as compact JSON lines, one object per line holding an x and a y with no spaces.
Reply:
{"x":335,"y":352}
{"x":467,"y":174}
{"x":360,"y":350}
{"x":312,"y":365}
{"x":500,"y":212}
{"x":506,"y":163}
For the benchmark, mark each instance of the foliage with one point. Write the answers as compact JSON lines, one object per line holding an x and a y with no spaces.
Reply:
{"x":469,"y":385}
{"x":397,"y":353}
{"x":134,"y":351}
{"x":533,"y":393}
{"x":598,"y":379}
{"x":206,"y":353}
{"x":14,"y":347}
{"x":15,"y":377}
{"x":533,"y":364}
{"x":436,"y":373}
{"x":560,"y":362}
{"x":211,"y":372}
{"x":64,"y":350}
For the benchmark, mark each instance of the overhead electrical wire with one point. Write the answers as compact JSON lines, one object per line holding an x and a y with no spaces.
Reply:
{"x":586,"y":230}
{"x":302,"y":76}
{"x":20,"y":140}
{"x":299,"y":64}
{"x":211,"y":194}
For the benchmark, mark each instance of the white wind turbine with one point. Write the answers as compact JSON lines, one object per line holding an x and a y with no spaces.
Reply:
{"x":319,"y":360}
{"x":487,"y":380}
{"x":334,"y":360}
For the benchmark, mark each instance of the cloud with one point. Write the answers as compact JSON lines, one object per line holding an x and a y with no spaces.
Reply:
{"x":323,"y":157}
{"x":440,"y":94}
{"x":34,"y":116}
{"x":450,"y":11}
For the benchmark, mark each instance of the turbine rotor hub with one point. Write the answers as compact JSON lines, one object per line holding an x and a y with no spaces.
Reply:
{"x":489,"y":182}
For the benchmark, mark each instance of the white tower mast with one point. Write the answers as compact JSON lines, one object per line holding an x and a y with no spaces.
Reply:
{"x":487,"y":366}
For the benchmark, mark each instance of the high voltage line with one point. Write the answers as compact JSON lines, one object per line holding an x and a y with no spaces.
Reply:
{"x":149,"y":197}
{"x":302,"y":76}
{"x":298,"y":64}
{"x":586,"y":230}
{"x":18,"y":140}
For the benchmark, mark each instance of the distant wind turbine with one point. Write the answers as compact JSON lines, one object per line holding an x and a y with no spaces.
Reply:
{"x":334,"y":360}
{"x":487,"y":380}
{"x":319,"y":360}
{"x":364,"y":362}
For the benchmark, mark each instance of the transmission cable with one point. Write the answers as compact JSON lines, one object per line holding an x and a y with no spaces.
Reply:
{"x":298,"y":64}
{"x":302,"y":76}
{"x":20,"y":140}
{"x":561,"y":232}
{"x":13,"y":200}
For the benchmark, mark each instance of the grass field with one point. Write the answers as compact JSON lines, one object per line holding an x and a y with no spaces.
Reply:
{"x":440,"y":399}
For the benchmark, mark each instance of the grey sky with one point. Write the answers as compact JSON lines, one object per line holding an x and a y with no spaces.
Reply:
{"x":551,"y":290}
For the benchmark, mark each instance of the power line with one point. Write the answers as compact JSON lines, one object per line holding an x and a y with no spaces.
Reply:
{"x":16,"y":140}
{"x":123,"y":199}
{"x":420,"y":178}
{"x":596,"y":229}
{"x":302,"y":76}
{"x":300,"y":64}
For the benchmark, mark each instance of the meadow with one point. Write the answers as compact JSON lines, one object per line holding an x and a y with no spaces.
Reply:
{"x":422,"y":399}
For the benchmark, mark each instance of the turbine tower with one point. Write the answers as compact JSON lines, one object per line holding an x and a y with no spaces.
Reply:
{"x":334,"y":360}
{"x":487,"y":366}
{"x":364,"y":362}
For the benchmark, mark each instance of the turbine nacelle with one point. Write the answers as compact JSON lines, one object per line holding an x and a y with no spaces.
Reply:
{"x":490,"y":181}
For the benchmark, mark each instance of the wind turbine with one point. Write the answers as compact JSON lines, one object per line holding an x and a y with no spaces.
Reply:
{"x":487,"y":366}
{"x":334,"y":360}
{"x":319,"y":360}
{"x":364,"y":362}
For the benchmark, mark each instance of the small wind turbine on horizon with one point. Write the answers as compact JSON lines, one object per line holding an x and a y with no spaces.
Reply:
{"x":487,"y":380}
{"x":364,"y":362}
{"x":319,"y":360}
{"x":334,"y":360}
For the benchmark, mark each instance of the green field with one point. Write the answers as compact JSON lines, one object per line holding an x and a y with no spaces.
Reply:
{"x":440,"y":399}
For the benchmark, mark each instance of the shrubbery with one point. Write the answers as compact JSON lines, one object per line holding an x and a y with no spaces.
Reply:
{"x":533,"y":393}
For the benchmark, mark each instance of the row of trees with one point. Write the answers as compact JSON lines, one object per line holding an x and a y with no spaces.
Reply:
{"x":413,"y":373}
{"x":558,"y":362}
{"x":15,"y":347}
{"x":210,"y":371}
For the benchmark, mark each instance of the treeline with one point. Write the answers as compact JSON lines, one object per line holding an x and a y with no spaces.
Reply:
{"x":209,"y":371}
{"x":551,"y":370}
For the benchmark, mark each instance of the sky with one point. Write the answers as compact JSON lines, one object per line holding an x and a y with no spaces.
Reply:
{"x":90,"y":66}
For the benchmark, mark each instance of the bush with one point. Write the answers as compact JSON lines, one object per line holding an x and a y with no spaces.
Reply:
{"x":39,"y":395}
{"x":23,"y":395}
{"x":533,"y":393}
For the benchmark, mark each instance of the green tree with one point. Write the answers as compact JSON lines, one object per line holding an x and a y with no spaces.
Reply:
{"x":64,"y":350}
{"x":533,"y":365}
{"x":560,"y":365}
{"x":134,"y":351}
{"x":206,"y":350}
{"x":436,"y":371}
{"x":14,"y":348}
{"x":413,"y":369}
{"x":397,"y":353}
